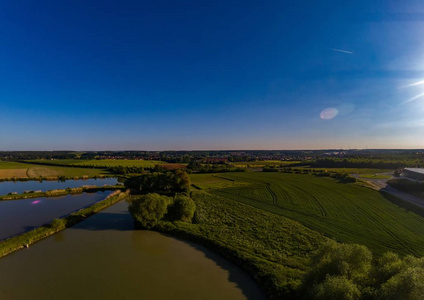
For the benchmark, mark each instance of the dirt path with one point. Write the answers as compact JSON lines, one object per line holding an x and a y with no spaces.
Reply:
{"x":381,"y":185}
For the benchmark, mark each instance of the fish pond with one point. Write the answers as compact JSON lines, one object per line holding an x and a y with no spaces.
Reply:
{"x":18,"y":216}
{"x":104,"y":258}
{"x":20,"y":187}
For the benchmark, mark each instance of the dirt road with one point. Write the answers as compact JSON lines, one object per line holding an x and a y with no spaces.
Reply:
{"x":381,"y":185}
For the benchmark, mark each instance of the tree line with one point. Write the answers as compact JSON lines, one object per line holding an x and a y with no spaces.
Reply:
{"x":350,"y":272}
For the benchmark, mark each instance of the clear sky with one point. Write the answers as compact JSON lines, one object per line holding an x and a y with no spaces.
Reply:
{"x":174,"y":75}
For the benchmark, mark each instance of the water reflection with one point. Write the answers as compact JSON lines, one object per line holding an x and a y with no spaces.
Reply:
{"x":17,"y":216}
{"x":21,"y":186}
{"x":118,"y":263}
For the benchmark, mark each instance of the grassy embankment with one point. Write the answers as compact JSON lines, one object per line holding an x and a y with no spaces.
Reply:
{"x":26,"y":239}
{"x":58,"y":192}
{"x":345,"y":212}
{"x":273,"y":249}
{"x":264,"y":163}
{"x":24,"y":171}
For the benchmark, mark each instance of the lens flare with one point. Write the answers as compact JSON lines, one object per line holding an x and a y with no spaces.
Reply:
{"x":35,"y":202}
{"x":328,"y":113}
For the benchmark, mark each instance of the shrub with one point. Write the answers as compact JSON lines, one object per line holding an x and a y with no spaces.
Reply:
{"x":182,"y":209}
{"x":408,"y":284}
{"x":149,"y":209}
{"x":336,"y":288}
{"x":58,"y":224}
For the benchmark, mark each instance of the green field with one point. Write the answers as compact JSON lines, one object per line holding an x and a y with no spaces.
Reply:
{"x":345,"y":212}
{"x":10,"y":170}
{"x":348,"y":170}
{"x":375,"y":176}
{"x":104,"y":162}
{"x":265,"y":163}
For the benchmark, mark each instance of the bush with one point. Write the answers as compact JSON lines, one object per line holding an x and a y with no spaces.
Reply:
{"x":350,"y":260}
{"x":336,"y":288}
{"x":58,"y":224}
{"x":408,"y":284}
{"x":182,"y":209}
{"x":149,"y":209}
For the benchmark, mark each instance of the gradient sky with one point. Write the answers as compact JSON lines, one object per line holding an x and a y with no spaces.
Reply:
{"x":172,"y":75}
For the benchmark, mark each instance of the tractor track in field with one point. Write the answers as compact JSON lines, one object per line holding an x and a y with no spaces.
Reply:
{"x":273,"y":195}
{"x":310,"y":196}
{"x":374,"y":216}
{"x":379,"y":222}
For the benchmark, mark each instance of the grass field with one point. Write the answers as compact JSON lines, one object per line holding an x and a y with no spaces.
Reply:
{"x":346,"y":212}
{"x":105,"y":162}
{"x":22,"y":170}
{"x":375,"y":176}
{"x":265,"y":163}
{"x":348,"y":170}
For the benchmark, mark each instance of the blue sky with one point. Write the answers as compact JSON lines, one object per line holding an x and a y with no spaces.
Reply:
{"x":172,"y":75}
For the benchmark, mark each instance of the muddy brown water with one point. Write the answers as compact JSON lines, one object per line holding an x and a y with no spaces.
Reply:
{"x":104,"y":258}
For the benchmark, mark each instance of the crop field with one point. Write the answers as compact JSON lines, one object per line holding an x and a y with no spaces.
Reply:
{"x":214,"y":181}
{"x":265,"y":163}
{"x":22,"y":170}
{"x":345,"y":212}
{"x":105,"y":162}
{"x":375,"y":176}
{"x":348,"y":170}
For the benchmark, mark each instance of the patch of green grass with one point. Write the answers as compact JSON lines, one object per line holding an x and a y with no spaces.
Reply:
{"x":104,"y":162}
{"x":213,"y":181}
{"x":375,"y":176}
{"x":346,"y":212}
{"x":349,"y":170}
{"x":9,"y":170}
{"x":69,"y":172}
{"x":7,"y":165}
{"x":274,"y":249}
{"x":265,"y":163}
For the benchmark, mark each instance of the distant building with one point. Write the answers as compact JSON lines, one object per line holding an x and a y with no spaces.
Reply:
{"x":414,"y":173}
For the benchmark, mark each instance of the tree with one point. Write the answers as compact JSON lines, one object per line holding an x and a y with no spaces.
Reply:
{"x":336,"y":288}
{"x":407,"y":285}
{"x":149,"y":209}
{"x":182,"y":209}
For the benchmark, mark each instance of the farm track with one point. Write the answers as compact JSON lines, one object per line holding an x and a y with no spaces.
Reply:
{"x":312,"y":197}
{"x":273,"y":195}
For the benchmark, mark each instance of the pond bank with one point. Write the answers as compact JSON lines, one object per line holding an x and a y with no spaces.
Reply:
{"x":59,"y":192}
{"x":20,"y":187}
{"x":24,"y":240}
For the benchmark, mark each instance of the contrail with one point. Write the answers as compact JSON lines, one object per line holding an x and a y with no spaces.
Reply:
{"x":341,"y":50}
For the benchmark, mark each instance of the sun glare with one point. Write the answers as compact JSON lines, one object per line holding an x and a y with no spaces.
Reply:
{"x":328,"y":113}
{"x":419,"y":95}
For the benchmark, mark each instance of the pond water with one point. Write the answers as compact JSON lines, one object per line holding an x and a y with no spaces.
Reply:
{"x":21,"y":186}
{"x":17,"y":216}
{"x":104,"y":258}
